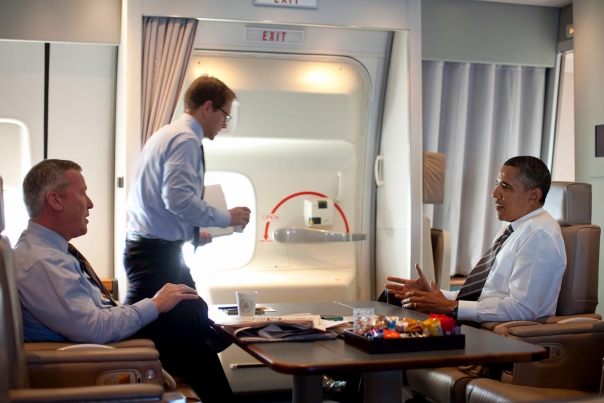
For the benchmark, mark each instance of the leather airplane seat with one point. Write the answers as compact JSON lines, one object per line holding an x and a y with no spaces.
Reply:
{"x":45,"y":375}
{"x":574,"y":337}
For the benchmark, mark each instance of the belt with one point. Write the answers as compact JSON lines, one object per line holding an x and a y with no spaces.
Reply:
{"x":152,"y":241}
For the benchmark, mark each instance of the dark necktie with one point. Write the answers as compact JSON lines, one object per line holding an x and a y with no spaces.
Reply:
{"x":472,"y":288}
{"x":196,"y":229}
{"x":87,"y":268}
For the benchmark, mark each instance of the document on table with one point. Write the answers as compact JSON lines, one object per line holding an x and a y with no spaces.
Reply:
{"x":255,"y":329}
{"x":274,"y":332}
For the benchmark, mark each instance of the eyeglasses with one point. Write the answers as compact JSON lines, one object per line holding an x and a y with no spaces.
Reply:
{"x":227,"y":117}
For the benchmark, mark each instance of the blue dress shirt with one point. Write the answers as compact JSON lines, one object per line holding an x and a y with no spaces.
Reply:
{"x":60,"y":303}
{"x":165,"y":198}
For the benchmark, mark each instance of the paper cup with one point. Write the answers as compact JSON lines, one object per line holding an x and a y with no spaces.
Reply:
{"x":246,"y":302}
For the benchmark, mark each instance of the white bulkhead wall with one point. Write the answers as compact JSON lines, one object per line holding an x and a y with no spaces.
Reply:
{"x":388,"y":15}
{"x":81,"y":105}
{"x":301,"y":128}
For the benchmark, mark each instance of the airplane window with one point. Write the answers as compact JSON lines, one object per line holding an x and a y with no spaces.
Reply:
{"x":227,"y":251}
{"x":15,"y":161}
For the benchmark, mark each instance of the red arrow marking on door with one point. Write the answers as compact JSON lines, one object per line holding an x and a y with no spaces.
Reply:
{"x":302,"y":194}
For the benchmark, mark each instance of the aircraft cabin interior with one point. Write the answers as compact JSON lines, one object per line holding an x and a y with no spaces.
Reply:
{"x":365,"y":137}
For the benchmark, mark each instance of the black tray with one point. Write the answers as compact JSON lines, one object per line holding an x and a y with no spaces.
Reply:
{"x":404,"y":345}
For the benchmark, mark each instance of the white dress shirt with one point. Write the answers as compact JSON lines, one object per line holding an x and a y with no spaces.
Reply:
{"x":525,"y":279}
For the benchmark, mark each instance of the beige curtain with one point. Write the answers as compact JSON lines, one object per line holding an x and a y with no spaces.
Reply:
{"x":478,"y":115}
{"x":167,"y":47}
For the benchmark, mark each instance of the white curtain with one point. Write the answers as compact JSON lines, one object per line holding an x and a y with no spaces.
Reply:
{"x":478,"y":115}
{"x":167,"y":47}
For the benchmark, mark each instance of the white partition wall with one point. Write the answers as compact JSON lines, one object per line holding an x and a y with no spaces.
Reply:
{"x":393,"y":218}
{"x":81,"y":107}
{"x":81,"y":127}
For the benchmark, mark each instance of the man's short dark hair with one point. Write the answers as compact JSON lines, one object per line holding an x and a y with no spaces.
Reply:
{"x":43,"y":177}
{"x":533,"y":174}
{"x":206,"y":88}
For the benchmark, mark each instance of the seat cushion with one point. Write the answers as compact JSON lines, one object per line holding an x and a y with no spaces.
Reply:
{"x":482,"y":390}
{"x":445,"y":384}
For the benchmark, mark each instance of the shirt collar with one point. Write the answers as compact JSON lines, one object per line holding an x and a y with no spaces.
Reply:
{"x":525,"y":218}
{"x":52,"y":238}
{"x":195,"y":126}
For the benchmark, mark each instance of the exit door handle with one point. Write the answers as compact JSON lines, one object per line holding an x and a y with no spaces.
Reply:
{"x":308,"y":235}
{"x":378,"y":170}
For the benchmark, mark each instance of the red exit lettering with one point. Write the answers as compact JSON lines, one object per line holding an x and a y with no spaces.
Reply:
{"x":273,"y":36}
{"x":286,"y":1}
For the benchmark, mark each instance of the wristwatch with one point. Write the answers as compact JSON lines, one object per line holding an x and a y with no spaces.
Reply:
{"x":454,"y":311}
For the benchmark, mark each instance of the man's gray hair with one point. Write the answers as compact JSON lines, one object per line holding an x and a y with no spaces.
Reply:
{"x":43,"y":177}
{"x":533,"y":174}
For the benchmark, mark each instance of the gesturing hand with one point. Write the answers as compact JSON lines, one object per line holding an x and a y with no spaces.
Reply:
{"x":171,"y":294}
{"x":405,"y":285}
{"x":433,"y":301}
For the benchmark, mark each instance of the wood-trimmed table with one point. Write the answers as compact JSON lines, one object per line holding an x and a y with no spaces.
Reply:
{"x":307,"y":361}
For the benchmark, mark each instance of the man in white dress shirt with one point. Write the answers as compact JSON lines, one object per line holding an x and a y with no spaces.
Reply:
{"x":526,"y":269}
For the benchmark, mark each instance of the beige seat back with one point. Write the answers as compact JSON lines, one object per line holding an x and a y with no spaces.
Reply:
{"x":570,"y":204}
{"x":4,"y":360}
{"x":436,"y":254}
{"x":575,"y":349}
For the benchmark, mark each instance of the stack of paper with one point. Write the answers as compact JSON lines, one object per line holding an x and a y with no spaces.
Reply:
{"x":257,"y":329}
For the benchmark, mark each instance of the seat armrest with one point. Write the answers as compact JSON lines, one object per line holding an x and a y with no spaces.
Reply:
{"x":87,"y":367}
{"x":91,"y":355}
{"x":118,"y":344}
{"x":117,"y":393}
{"x":503,"y":328}
{"x":556,"y":329}
{"x":556,"y":319}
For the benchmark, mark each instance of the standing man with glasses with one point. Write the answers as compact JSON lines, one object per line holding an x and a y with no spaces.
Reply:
{"x":165,"y":209}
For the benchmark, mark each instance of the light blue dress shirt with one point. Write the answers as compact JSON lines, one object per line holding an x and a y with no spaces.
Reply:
{"x":59,"y":303}
{"x":165,"y":198}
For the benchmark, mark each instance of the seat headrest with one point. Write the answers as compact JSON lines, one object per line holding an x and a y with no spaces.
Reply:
{"x":569,"y":203}
{"x":434,"y":177}
{"x":2,"y":225}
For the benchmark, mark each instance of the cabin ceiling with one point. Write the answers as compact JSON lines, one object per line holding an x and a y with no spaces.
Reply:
{"x":545,"y":3}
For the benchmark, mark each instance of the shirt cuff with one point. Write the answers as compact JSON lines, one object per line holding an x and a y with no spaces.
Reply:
{"x":467,"y":310}
{"x":449,"y":294}
{"x":223,"y":218}
{"x":148,"y":311}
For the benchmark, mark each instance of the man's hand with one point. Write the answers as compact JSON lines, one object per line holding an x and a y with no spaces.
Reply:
{"x":433,"y":301}
{"x":171,"y":294}
{"x":204,"y":238}
{"x":239,"y":216}
{"x":421,"y":284}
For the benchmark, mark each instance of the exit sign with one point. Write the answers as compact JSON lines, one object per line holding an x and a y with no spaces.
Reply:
{"x":287,"y":3}
{"x":273,"y":36}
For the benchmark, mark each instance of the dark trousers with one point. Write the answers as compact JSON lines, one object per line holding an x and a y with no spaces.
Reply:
{"x":180,"y":334}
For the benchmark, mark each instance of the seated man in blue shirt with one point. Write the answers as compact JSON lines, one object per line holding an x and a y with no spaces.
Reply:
{"x":60,"y":298}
